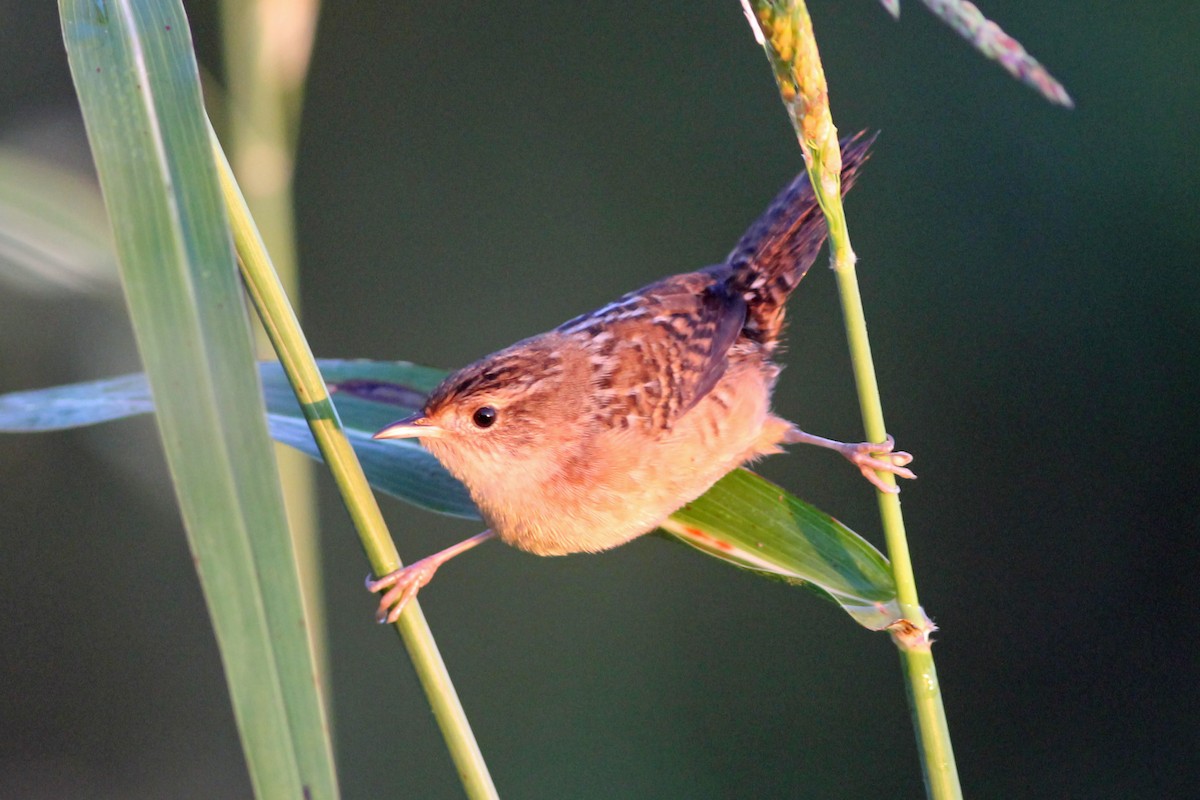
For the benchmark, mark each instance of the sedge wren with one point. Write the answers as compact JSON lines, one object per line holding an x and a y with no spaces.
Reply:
{"x":589,"y":435}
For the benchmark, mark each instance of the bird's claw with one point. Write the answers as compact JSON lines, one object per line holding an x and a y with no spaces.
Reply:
{"x":871,"y":458}
{"x":404,"y":584}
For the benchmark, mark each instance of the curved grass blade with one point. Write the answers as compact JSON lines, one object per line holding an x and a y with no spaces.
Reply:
{"x":401,"y":469}
{"x":744,"y":519}
{"x":137,"y":81}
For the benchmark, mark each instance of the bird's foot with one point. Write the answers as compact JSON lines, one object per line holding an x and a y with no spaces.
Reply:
{"x":404,"y":583}
{"x":402,"y":586}
{"x":871,"y":458}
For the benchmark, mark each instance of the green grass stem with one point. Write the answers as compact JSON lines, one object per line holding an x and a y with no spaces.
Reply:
{"x":784,"y":28}
{"x":297,"y":360}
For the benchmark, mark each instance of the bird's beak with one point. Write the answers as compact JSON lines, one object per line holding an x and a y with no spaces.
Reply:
{"x":409,"y":428}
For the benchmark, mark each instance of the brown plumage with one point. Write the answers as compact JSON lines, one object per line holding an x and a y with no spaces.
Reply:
{"x":588,"y":435}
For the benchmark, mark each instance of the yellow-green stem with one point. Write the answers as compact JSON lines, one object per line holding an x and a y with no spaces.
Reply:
{"x":785,"y":30}
{"x":924,"y":691}
{"x":297,"y":360}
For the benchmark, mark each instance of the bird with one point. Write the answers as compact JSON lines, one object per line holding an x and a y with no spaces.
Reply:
{"x":589,"y":435}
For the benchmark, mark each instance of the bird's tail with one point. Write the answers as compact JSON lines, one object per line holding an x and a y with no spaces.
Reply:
{"x":777,"y":250}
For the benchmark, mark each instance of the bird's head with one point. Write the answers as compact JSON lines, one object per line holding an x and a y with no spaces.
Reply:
{"x":501,"y":415}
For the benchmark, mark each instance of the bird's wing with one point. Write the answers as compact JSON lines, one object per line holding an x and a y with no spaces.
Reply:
{"x":658,"y":351}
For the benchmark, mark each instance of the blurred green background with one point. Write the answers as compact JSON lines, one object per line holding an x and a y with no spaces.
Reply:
{"x":467,"y":178}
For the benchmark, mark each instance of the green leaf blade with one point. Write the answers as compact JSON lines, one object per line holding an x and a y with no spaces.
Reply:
{"x":75,"y":406}
{"x":752,"y":523}
{"x":743,"y":519}
{"x":137,"y":80}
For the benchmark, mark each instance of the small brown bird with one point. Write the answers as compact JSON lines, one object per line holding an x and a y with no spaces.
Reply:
{"x":589,"y":435}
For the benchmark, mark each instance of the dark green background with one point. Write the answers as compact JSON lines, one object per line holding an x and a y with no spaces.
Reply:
{"x":470,"y":177}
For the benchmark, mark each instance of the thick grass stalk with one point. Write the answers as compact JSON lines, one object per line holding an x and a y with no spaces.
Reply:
{"x":784,"y":28}
{"x":297,"y":360}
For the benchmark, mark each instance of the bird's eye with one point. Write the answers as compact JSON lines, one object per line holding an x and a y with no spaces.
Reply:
{"x":484,"y":417}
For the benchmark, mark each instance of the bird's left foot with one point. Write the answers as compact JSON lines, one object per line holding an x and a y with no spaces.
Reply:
{"x":404,"y":583}
{"x":402,"y":586}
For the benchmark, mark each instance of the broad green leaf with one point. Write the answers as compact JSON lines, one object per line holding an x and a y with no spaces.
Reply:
{"x":749,"y":521}
{"x":744,"y":519}
{"x":137,"y":81}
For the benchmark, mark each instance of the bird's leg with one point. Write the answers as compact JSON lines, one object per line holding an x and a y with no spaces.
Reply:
{"x":407,"y":581}
{"x":867,"y":456}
